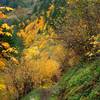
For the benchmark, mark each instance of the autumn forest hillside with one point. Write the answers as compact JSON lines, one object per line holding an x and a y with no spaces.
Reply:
{"x":49,"y":50}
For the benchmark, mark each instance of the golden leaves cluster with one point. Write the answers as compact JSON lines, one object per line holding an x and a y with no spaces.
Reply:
{"x":6,"y":31}
{"x":6,"y":35}
{"x":28,"y":34}
{"x":50,"y":10}
{"x":95,"y":42}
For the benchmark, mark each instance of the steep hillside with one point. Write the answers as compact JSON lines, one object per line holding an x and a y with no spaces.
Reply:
{"x":81,"y":83}
{"x":49,"y":50}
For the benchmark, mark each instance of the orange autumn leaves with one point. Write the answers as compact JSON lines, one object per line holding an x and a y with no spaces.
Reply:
{"x":2,"y":15}
{"x":42,"y":61}
{"x":39,"y":25}
{"x":41,"y":70}
{"x":31,"y":30}
{"x":2,"y":64}
{"x":40,"y":57}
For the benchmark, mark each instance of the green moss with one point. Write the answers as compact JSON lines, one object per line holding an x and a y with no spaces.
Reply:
{"x":81,"y":84}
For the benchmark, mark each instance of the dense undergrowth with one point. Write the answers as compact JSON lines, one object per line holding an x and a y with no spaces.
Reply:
{"x":81,"y":82}
{"x":55,"y":46}
{"x":78,"y":83}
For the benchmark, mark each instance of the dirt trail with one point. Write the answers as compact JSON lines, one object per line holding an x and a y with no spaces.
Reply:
{"x":45,"y":94}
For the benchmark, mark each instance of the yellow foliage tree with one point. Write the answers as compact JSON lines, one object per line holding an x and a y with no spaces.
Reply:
{"x":6,"y":35}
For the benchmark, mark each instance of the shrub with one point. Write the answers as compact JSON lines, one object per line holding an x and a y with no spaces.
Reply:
{"x":78,"y":30}
{"x":6,"y":36}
